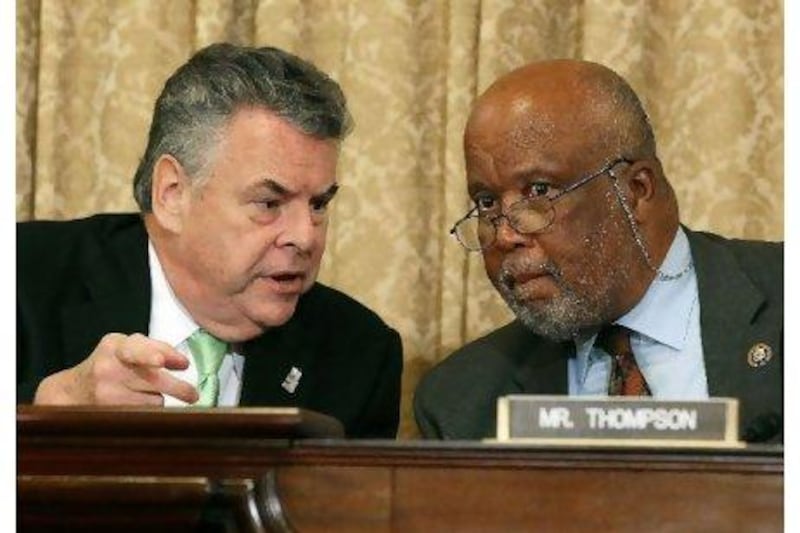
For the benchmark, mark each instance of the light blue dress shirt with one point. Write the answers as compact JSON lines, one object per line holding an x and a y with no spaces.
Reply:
{"x":665,"y":337}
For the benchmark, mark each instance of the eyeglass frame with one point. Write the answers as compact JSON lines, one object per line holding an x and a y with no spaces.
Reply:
{"x":606,"y":169}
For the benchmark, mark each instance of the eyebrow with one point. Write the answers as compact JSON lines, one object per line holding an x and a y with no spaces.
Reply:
{"x":537,"y":172}
{"x":329,"y":193}
{"x":282,"y":190}
{"x":275,"y":187}
{"x":474,"y":188}
{"x":520,"y":178}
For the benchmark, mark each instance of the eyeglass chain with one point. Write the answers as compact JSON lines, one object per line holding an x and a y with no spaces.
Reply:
{"x":637,"y":236}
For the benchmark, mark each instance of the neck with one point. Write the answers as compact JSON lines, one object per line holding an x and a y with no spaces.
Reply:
{"x":218,"y":317}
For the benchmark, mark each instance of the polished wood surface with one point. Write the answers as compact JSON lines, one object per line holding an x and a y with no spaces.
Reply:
{"x":219,"y":422}
{"x":227,"y":481}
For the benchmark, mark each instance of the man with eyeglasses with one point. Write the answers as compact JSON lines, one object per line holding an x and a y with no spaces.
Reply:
{"x":579,"y":232}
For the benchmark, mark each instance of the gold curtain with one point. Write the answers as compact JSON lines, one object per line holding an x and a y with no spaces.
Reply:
{"x":710,"y":73}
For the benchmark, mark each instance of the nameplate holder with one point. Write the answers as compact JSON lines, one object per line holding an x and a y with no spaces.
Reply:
{"x":617,"y":421}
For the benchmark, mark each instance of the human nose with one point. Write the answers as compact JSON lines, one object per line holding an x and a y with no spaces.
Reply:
{"x":299,"y":228}
{"x":505,"y":235}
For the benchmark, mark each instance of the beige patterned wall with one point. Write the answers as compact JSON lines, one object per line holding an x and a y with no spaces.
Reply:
{"x":710,"y":72}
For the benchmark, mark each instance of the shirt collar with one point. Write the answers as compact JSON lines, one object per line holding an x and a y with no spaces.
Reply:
{"x":583,"y":350}
{"x":671,"y":298}
{"x":170,"y":322}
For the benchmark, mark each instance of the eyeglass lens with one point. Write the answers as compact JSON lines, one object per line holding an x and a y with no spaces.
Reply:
{"x":528,"y":215}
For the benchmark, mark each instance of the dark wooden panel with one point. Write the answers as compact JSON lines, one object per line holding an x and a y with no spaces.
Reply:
{"x":585,"y":500}
{"x":169,"y":476}
{"x":76,"y":503}
{"x":131,"y":503}
{"x":337,"y":498}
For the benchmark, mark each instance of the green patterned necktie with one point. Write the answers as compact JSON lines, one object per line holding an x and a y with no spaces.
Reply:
{"x":208,"y":352}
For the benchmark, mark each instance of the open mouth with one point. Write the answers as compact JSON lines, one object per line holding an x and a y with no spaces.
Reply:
{"x":286,"y":282}
{"x":288,"y":277}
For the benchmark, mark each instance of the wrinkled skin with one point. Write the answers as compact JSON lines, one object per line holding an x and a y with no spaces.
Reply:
{"x":534,"y":132}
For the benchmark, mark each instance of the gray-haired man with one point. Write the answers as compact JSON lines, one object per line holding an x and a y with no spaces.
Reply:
{"x":233,"y":189}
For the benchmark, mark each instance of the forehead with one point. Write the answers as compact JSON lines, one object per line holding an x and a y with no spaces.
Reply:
{"x":549,"y":115}
{"x":257,"y":144}
{"x":519,"y":139}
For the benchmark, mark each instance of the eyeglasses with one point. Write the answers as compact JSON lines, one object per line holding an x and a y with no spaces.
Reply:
{"x":477,"y":231}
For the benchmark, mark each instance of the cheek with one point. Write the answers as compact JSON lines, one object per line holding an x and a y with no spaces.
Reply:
{"x":595,"y":256}
{"x":319,"y":242}
{"x":492,"y":261}
{"x":227,"y":262}
{"x":241,"y":255}
{"x":321,"y":239}
{"x":581,"y":230}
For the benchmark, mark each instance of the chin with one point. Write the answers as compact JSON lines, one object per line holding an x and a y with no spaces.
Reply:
{"x":275,"y":314}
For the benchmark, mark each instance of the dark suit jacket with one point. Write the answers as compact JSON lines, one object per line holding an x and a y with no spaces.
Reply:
{"x":79,"y":280}
{"x":740,"y":284}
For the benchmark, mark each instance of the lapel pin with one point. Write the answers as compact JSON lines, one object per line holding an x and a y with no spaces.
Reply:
{"x":292,"y":380}
{"x":759,"y":355}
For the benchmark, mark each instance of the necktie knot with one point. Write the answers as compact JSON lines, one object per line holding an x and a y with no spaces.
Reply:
{"x":614,"y":340}
{"x":626,"y":378}
{"x":208,"y":352}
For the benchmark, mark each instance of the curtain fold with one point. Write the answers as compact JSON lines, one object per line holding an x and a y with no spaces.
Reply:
{"x":710,"y":73}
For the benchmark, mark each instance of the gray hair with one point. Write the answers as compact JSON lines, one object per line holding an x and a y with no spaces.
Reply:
{"x":203,"y":94}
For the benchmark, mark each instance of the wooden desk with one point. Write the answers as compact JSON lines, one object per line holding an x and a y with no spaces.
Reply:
{"x":233,"y":482}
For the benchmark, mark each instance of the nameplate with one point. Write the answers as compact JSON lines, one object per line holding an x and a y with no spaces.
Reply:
{"x":618,"y":421}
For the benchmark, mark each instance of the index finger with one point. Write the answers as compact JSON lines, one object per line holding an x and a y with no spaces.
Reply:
{"x":139,"y":350}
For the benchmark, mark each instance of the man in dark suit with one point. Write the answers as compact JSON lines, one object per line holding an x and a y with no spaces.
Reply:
{"x":579,"y":231}
{"x":209,"y":296}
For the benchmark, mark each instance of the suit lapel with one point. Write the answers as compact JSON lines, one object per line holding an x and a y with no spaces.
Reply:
{"x":116,"y":279}
{"x":729,"y":302}
{"x":270,"y":357}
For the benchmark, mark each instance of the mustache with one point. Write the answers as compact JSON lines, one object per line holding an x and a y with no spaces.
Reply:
{"x":512,"y":269}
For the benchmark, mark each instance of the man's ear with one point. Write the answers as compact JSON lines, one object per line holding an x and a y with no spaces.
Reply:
{"x":640,"y":187}
{"x":170,"y":192}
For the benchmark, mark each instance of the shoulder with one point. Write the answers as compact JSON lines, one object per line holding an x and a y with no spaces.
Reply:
{"x":502,"y":342}
{"x":343,"y":326}
{"x":56,"y":243}
{"x":94,"y":223}
{"x":457,"y":398}
{"x":743,"y":249}
{"x":43,"y":234}
{"x":58,"y":260}
{"x":484,"y":362}
{"x":334,"y":307}
{"x":760,"y":261}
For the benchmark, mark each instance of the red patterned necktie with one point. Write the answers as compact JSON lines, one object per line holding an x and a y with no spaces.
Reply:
{"x":626,"y":378}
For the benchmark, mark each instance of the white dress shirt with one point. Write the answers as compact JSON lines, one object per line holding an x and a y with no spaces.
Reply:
{"x":665,"y":338}
{"x":171,"y":323}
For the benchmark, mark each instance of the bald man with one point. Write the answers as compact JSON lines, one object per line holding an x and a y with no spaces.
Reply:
{"x":579,"y":231}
